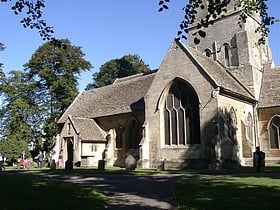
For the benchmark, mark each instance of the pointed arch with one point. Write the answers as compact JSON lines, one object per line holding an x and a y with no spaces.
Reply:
{"x":274,"y":132}
{"x":249,"y":127}
{"x":227,"y":54}
{"x":230,"y":124}
{"x":181,"y":115}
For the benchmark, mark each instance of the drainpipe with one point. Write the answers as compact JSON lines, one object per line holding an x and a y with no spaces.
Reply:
{"x":256,"y":125}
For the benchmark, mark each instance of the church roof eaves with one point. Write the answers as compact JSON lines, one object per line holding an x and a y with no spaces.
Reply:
{"x":122,"y":97}
{"x":270,"y":91}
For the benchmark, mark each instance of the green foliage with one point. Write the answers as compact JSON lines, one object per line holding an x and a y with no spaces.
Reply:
{"x":215,"y":9}
{"x":118,"y":68}
{"x":13,"y":148}
{"x":56,"y":66}
{"x":2,"y":47}
{"x":19,"y":112}
{"x":33,"y":16}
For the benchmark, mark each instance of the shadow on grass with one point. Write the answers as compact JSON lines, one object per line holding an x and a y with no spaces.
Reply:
{"x":240,"y":188}
{"x":229,"y":193}
{"x":27,"y":192}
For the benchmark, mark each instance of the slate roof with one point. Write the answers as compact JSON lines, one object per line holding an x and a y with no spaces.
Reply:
{"x":221,"y":77}
{"x":124,"y":96}
{"x":87,"y":129}
{"x":270,"y":91}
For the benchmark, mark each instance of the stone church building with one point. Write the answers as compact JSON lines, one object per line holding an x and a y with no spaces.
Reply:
{"x":208,"y":103}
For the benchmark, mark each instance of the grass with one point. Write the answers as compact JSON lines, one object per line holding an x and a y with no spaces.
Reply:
{"x":27,"y":193}
{"x":116,"y":170}
{"x":243,"y":188}
{"x":229,"y":193}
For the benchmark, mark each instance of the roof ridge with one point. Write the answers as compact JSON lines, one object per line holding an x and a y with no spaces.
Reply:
{"x":195,"y":54}
{"x":195,"y":60}
{"x":76,"y":98}
{"x":121,"y":79}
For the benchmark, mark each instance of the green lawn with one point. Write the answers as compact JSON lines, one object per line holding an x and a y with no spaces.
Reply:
{"x":241,"y":188}
{"x":229,"y":193}
{"x":26,"y":193}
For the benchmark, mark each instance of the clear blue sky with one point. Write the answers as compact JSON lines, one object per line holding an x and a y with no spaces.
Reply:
{"x":105,"y":29}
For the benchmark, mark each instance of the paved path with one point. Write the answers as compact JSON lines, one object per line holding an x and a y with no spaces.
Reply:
{"x":137,"y":192}
{"x":130,"y":191}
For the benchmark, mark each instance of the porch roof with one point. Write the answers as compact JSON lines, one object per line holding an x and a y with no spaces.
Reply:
{"x":87,"y":129}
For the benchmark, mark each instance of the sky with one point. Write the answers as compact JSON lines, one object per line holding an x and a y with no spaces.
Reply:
{"x":106,"y":30}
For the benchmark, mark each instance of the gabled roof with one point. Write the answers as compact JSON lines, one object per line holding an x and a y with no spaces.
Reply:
{"x":270,"y":91}
{"x":215,"y":73}
{"x":87,"y":129}
{"x":124,"y":96}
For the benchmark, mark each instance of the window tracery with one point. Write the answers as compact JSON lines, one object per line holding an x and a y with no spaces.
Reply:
{"x":181,"y":116}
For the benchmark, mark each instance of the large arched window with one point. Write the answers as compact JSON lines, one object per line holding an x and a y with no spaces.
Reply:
{"x":274,"y":132}
{"x":181,"y":116}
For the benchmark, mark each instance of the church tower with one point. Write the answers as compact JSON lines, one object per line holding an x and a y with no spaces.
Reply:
{"x":233,"y":47}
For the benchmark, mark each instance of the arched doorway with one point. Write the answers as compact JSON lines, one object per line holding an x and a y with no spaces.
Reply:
{"x":69,"y":154}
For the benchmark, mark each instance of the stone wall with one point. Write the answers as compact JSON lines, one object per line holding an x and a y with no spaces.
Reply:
{"x":116,"y":156}
{"x":241,"y":110}
{"x":246,"y":57}
{"x":177,"y":65}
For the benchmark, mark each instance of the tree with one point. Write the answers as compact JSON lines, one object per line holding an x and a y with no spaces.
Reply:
{"x":17,"y":106}
{"x":56,"y":70}
{"x":118,"y":68}
{"x":19,"y":113}
{"x":33,"y":12}
{"x":33,"y":16}
{"x":216,"y":8}
{"x":1,"y":49}
{"x":13,"y":148}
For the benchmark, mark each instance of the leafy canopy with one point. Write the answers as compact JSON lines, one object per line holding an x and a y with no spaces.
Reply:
{"x":216,"y":8}
{"x":19,"y":113}
{"x":118,"y":68}
{"x":56,"y":70}
{"x":33,"y":10}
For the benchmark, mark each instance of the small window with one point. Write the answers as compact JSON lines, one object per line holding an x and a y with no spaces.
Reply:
{"x":93,"y":148}
{"x":274,"y":132}
{"x":249,"y":127}
{"x":230,"y":123}
{"x":208,"y":53}
{"x":68,"y":128}
{"x":227,"y":55}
